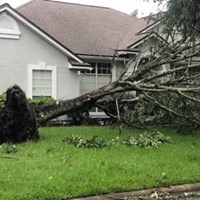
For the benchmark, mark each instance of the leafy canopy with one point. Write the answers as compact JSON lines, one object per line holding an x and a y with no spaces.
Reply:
{"x":183,"y":16}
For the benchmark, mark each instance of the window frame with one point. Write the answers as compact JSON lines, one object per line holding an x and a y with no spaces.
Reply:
{"x":42,"y":66}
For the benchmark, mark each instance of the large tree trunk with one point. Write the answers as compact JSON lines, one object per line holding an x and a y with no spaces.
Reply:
{"x":17,"y":120}
{"x":44,"y":113}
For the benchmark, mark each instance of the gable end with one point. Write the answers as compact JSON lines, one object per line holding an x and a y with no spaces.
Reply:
{"x":8,"y":27}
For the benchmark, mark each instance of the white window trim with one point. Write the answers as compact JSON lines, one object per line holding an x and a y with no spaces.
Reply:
{"x":96,"y":113}
{"x":10,"y":33}
{"x":42,"y":66}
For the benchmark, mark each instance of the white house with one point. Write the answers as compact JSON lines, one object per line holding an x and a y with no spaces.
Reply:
{"x":63,"y":50}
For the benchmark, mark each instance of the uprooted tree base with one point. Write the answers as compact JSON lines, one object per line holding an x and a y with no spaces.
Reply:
{"x":17,"y":120}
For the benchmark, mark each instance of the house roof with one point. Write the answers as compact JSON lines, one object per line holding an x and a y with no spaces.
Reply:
{"x":84,"y":29}
{"x":7,"y":8}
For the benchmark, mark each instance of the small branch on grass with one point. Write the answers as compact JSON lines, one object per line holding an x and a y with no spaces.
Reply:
{"x":8,"y":157}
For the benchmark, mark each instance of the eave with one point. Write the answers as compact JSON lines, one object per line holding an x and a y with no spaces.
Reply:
{"x":148,"y":28}
{"x":144,"y":39}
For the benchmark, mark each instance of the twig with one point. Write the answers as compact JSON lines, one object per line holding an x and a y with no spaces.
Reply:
{"x":118,"y":117}
{"x":8,"y":157}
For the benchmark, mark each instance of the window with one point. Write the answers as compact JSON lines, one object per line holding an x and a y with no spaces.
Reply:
{"x":96,"y":78}
{"x":42,"y":81}
{"x":8,"y":27}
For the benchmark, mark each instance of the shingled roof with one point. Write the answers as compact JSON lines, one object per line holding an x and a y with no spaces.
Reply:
{"x":86,"y":30}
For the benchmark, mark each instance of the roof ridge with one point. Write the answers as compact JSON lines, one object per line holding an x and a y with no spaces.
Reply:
{"x":25,"y":4}
{"x":78,"y":4}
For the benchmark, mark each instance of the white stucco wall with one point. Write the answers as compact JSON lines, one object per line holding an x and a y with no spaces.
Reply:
{"x":30,"y":48}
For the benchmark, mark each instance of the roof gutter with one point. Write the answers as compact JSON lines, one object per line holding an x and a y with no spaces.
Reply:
{"x":127,"y":51}
{"x":101,"y":58}
{"x":73,"y":65}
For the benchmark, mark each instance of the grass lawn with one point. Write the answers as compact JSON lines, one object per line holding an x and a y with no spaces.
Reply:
{"x":51,"y":169}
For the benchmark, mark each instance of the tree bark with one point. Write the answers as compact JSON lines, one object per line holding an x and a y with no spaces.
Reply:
{"x":83,"y":103}
{"x":17,"y":120}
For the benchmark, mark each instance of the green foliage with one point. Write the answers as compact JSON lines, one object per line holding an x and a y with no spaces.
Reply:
{"x":8,"y":148}
{"x":34,"y":102}
{"x":147,"y":140}
{"x":2,"y":100}
{"x":146,"y":113}
{"x":41,"y":101}
{"x":93,"y":142}
{"x":181,"y":16}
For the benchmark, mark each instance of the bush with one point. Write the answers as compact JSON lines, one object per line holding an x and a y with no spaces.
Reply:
{"x":2,"y":100}
{"x":34,"y":102}
{"x":41,"y":101}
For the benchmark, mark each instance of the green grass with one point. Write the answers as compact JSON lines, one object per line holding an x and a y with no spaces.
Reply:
{"x":51,"y":169}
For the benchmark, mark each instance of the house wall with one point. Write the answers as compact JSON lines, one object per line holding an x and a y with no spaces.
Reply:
{"x":119,"y":69}
{"x":30,"y":48}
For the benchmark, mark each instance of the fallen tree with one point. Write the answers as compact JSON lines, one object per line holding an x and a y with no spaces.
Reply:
{"x":177,"y":46}
{"x":178,"y":50}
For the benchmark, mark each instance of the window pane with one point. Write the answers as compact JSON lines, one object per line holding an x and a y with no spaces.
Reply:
{"x":88,"y":83}
{"x":93,"y":71}
{"x":42,"y":83}
{"x":48,"y":83}
{"x":103,"y":80}
{"x":38,"y":82}
{"x":104,"y":68}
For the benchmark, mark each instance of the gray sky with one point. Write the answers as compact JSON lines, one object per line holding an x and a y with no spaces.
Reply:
{"x":126,"y":6}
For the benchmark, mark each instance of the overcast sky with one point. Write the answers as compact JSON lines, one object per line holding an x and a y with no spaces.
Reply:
{"x":126,"y":6}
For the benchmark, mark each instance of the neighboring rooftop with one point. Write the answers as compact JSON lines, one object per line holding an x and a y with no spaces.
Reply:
{"x":84,"y":29}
